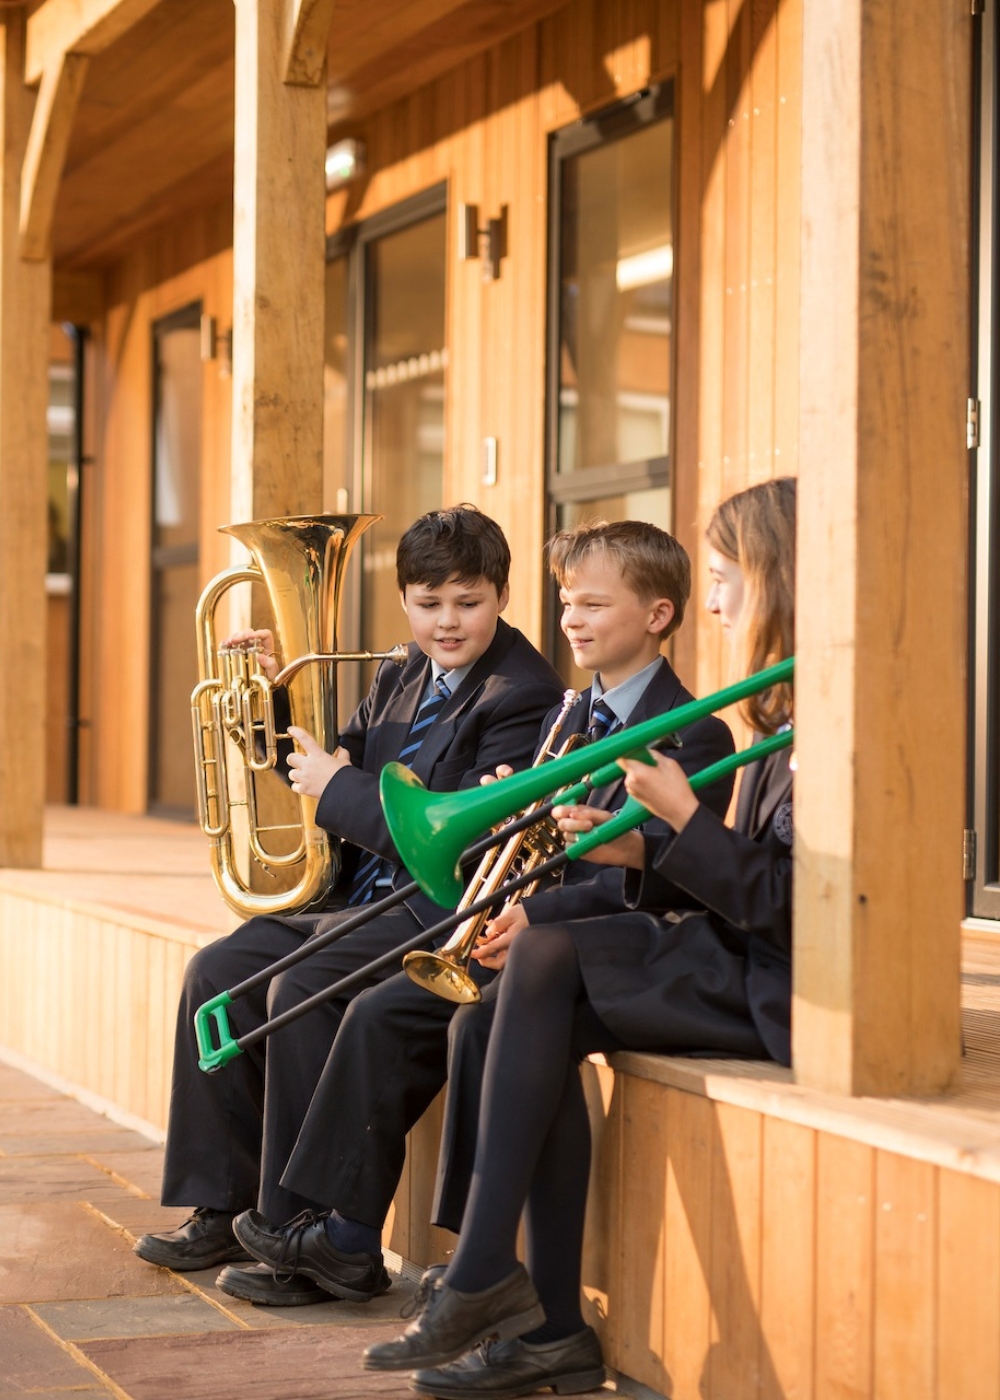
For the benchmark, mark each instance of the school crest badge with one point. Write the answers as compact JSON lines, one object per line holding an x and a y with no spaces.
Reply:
{"x":783,"y":823}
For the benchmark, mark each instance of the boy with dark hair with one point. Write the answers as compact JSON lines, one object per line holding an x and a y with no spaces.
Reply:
{"x":473,"y":691}
{"x":624,"y":587}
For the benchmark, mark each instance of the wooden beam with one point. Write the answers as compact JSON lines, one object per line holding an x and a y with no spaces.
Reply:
{"x":77,"y":26}
{"x":77,"y":297}
{"x":883,"y":547}
{"x":278,"y":275}
{"x":51,"y":125}
{"x":305,"y":48}
{"x":24,"y":352}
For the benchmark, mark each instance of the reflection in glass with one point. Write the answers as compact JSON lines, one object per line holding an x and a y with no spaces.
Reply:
{"x":615,"y":301}
{"x":335,"y":454}
{"x":405,"y":360}
{"x":178,"y":438}
{"x":61,"y":421}
{"x":176,"y":520}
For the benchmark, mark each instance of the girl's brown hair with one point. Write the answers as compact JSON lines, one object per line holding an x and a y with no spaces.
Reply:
{"x":756,"y":529}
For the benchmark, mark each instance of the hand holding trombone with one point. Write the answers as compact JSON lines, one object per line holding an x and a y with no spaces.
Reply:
{"x":431,"y":831}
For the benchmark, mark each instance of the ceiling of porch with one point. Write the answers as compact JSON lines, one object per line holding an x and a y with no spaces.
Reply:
{"x":152,"y":135}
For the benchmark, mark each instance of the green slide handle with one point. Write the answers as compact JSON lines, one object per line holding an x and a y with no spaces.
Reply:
{"x":210,"y":1056}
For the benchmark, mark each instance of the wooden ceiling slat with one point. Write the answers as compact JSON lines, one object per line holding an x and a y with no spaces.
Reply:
{"x":157,"y":109}
{"x":78,"y":26}
{"x":431,"y":51}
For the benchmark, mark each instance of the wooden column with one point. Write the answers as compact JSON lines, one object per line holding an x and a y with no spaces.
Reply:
{"x":279,"y":251}
{"x":883,"y":545}
{"x":25,"y":290}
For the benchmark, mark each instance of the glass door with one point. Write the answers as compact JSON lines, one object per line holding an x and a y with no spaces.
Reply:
{"x":611,"y":306}
{"x":385,"y":361}
{"x":177,"y":384}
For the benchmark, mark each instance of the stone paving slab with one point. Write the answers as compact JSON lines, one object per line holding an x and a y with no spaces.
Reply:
{"x":16,"y":1085}
{"x":54,"y":1178}
{"x":33,"y":1363}
{"x":174,"y":1314}
{"x":53,"y":1251}
{"x":28,"y":1117}
{"x":307,"y":1363}
{"x":141,"y":1169}
{"x":94,"y":1141}
{"x":138,"y":1216}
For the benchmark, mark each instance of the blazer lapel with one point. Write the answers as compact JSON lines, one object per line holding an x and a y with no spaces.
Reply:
{"x":440,"y":733}
{"x":765,"y":785}
{"x":400,"y":712}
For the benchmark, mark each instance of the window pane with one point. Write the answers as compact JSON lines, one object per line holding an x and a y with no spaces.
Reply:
{"x":335,"y":470}
{"x":171,"y":779}
{"x":178,"y":437}
{"x":615,"y":301}
{"x":405,"y":361}
{"x":61,"y":428}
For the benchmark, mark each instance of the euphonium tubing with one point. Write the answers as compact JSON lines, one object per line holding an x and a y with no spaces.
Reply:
{"x":446,"y":970}
{"x":301,"y":561}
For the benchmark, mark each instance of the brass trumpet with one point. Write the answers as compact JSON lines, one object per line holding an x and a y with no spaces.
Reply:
{"x":446,"y":970}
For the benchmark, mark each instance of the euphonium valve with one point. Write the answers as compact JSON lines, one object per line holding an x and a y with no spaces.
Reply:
{"x":301,"y":563}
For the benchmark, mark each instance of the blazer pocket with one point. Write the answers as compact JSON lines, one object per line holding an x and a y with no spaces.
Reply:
{"x":450,"y":774}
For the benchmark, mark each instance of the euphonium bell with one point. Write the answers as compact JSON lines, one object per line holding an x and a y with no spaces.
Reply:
{"x":301,"y":562}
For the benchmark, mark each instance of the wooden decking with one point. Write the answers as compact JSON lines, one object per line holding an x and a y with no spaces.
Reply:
{"x":746,"y":1237}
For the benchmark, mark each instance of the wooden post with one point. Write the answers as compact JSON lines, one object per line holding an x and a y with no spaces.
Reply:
{"x":883,"y":546}
{"x":278,"y":252}
{"x":25,"y":290}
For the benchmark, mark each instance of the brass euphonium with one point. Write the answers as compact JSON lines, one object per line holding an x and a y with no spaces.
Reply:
{"x":301,"y":562}
{"x":445,"y":972}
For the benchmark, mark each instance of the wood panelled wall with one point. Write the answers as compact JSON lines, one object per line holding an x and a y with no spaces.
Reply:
{"x":484,"y":127}
{"x":190,"y":262}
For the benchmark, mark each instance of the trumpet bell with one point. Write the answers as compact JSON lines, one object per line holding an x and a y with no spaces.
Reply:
{"x":441,"y":975}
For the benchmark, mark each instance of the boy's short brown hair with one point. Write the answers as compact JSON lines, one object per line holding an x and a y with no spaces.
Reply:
{"x":460,"y":541}
{"x":652,"y":563}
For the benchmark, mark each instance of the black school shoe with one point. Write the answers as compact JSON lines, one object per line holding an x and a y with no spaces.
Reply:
{"x":204,"y":1240}
{"x":503,"y":1370}
{"x":256,"y":1283}
{"x":451,"y":1323}
{"x":303,"y":1247}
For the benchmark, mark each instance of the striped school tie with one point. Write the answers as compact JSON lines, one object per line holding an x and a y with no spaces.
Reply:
{"x":374,"y":867}
{"x":602,"y":720}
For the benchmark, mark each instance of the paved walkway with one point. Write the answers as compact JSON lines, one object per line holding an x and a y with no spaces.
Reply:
{"x":81,"y":1316}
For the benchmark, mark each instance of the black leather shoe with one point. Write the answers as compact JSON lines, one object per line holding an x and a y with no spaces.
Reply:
{"x":255,"y":1283}
{"x":451,"y":1323}
{"x":503,"y":1370}
{"x":303,"y":1247}
{"x":204,"y":1240}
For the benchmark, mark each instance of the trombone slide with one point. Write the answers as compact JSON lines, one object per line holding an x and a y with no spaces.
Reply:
{"x":213,"y":1012}
{"x":431,"y":829}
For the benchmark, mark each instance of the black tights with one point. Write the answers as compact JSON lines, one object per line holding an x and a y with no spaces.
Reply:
{"x":533,"y":1149}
